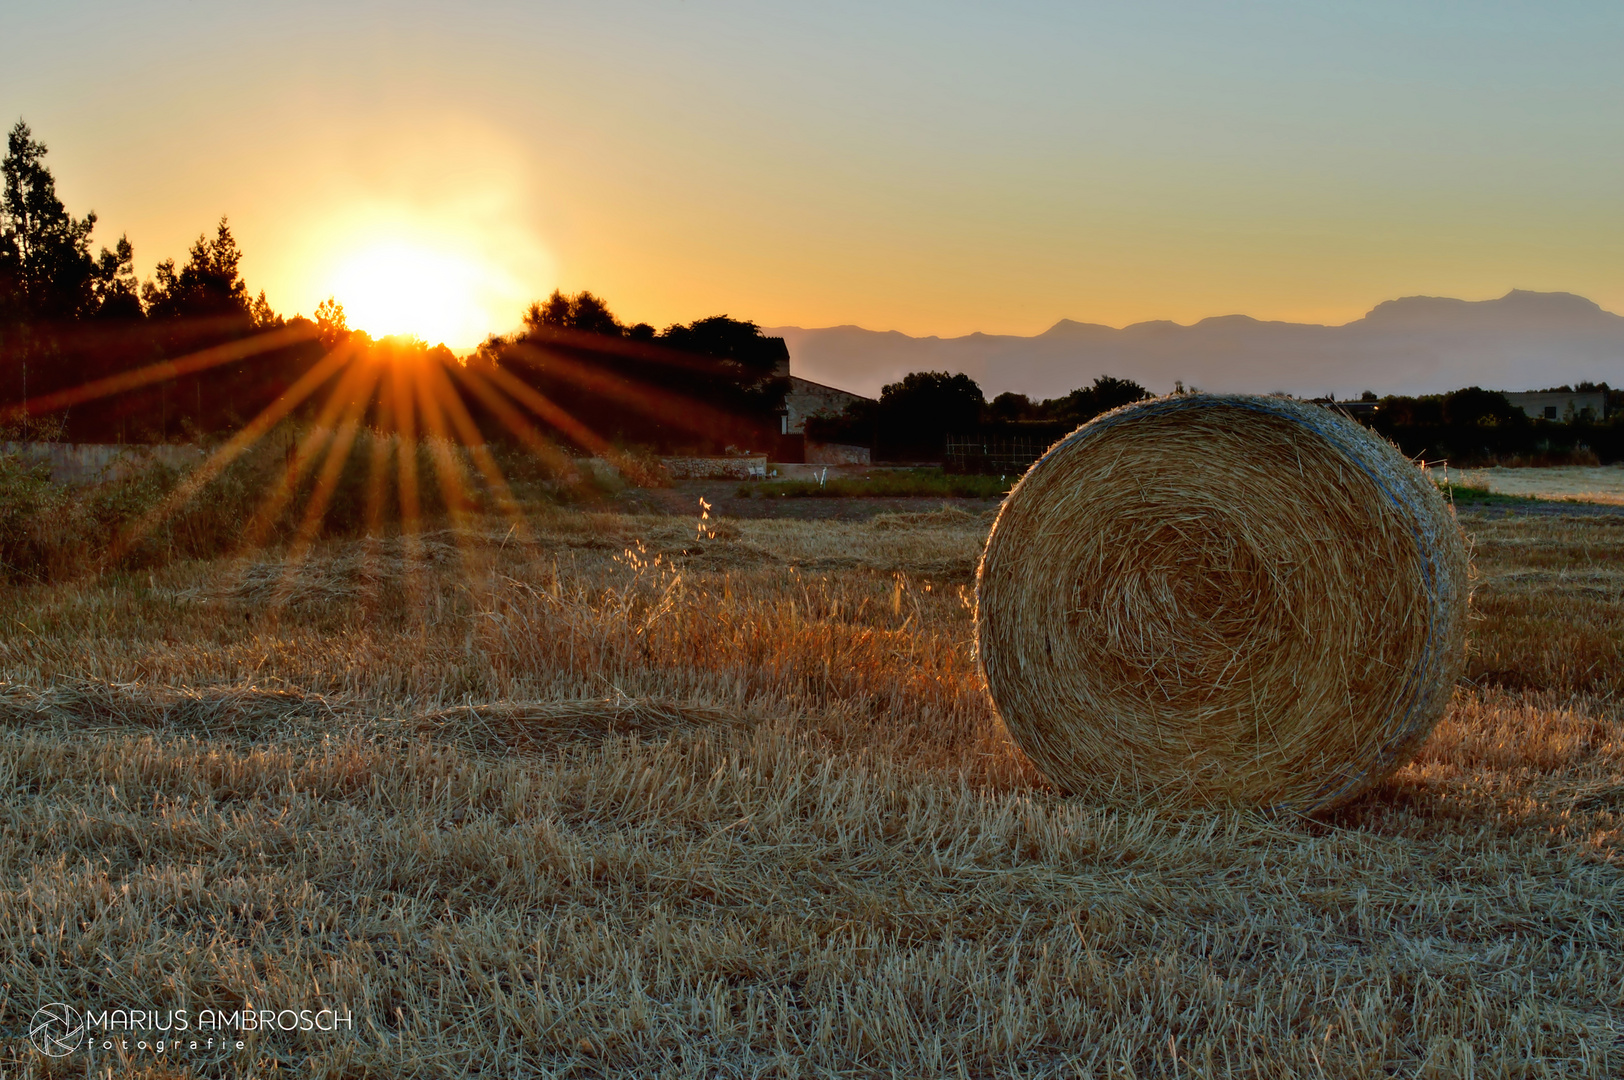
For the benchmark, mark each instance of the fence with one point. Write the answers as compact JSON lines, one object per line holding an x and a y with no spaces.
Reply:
{"x":998,"y":457}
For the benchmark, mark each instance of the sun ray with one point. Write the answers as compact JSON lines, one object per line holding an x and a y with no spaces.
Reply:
{"x":161,"y":371}
{"x":544,"y":336}
{"x":686,"y":412}
{"x":474,"y":378}
{"x":377,"y":472}
{"x":305,"y":455}
{"x":233,"y":448}
{"x":406,"y":486}
{"x":448,"y":470}
{"x":378,"y":462}
{"x":332,"y":468}
{"x":471,"y":438}
{"x":547,"y":410}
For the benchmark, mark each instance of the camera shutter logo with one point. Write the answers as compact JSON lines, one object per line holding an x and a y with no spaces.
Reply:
{"x":57,"y":1030}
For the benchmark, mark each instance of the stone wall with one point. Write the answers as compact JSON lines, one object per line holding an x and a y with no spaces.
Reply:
{"x":836,"y":454}
{"x":753,"y":466}
{"x":716,"y":468}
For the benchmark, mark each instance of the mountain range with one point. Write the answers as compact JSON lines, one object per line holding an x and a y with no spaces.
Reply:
{"x":1418,"y":344}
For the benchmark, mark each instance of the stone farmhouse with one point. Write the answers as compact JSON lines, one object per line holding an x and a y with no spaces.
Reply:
{"x":806,"y":399}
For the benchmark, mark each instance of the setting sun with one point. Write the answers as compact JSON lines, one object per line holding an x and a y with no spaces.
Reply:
{"x":401,"y":288}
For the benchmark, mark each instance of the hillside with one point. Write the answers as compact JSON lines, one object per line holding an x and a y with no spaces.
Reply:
{"x":1418,"y":344}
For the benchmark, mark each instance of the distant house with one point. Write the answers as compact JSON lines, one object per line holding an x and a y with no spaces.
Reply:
{"x":1563,"y":406}
{"x":806,"y":399}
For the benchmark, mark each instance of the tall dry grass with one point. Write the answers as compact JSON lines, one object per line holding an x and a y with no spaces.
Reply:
{"x":608,"y":798}
{"x":289,"y":487}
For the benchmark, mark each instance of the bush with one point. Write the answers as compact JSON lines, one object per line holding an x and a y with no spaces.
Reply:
{"x":32,"y":517}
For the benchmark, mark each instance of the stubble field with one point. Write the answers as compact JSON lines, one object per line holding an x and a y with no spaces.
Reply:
{"x":602,"y":797}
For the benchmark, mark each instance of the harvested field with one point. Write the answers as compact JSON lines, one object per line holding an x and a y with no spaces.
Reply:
{"x":1586,"y":483}
{"x":611,"y":799}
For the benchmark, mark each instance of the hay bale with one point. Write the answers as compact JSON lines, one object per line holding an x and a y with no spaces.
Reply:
{"x":1222,"y":600}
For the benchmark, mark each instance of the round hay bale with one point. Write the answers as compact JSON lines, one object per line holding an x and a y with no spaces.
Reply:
{"x":1222,"y":600}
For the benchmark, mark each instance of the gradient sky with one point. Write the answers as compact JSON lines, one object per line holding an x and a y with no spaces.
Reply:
{"x":933,"y":168}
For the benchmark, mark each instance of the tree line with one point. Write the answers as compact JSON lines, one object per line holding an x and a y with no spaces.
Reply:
{"x":914,"y":418}
{"x":70,"y":319}
{"x":917,"y":417}
{"x":191,"y":352}
{"x":1473,"y":426}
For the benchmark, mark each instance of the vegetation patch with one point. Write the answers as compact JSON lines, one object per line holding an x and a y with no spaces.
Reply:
{"x":890,"y":483}
{"x":1472,"y":495}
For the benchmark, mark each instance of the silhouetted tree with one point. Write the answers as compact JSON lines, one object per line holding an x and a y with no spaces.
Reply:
{"x":702,"y":387}
{"x":1474,"y":405}
{"x":1011,"y":406}
{"x":735,"y":340}
{"x":917,"y":414}
{"x":331,"y":325}
{"x":45,"y":265}
{"x":582,"y":312}
{"x":209,"y":285}
{"x":116,"y":293}
{"x":1083,"y":404}
{"x":261,"y":315}
{"x":68,"y":320}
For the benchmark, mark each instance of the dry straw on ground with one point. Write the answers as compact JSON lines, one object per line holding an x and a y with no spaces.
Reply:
{"x":1223,"y":600}
{"x":577,"y":806}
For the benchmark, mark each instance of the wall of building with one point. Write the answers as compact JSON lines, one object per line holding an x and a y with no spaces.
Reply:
{"x":1565,"y":406}
{"x":807,"y":398}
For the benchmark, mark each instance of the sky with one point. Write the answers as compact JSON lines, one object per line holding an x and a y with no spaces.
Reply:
{"x":935,"y":168}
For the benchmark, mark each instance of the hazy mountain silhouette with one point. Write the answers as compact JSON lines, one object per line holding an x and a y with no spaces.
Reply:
{"x":1419,"y":344}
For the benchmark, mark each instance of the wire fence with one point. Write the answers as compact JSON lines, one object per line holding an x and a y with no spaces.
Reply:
{"x":992,"y":456}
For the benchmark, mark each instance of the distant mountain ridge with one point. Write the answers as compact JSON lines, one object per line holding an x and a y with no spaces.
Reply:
{"x":1415,"y":344}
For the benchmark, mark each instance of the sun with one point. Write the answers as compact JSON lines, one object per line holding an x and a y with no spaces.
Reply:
{"x":401,"y":287}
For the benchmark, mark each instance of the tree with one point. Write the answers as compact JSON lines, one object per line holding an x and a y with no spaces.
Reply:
{"x":738,"y":341}
{"x":209,"y":285}
{"x":917,"y":414}
{"x":331,"y":325}
{"x":582,"y":312}
{"x":697,"y":388}
{"x":1012,"y":406}
{"x":116,"y":293}
{"x":45,"y":265}
{"x":260,"y":313}
{"x":1474,"y":406}
{"x":1086,"y":402}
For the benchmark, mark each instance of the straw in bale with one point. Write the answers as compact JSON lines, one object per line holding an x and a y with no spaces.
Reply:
{"x":1224,"y":600}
